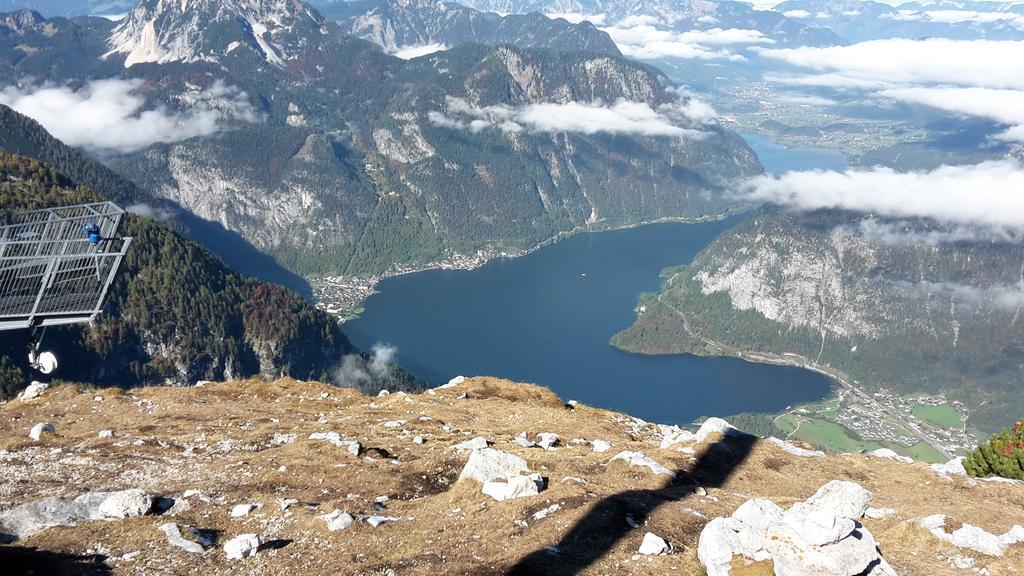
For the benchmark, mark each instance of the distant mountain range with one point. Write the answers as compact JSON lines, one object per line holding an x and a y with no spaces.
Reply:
{"x":335,"y":157}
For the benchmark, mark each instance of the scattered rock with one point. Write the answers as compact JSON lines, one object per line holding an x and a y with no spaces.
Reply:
{"x":279,"y":439}
{"x":242,"y":546}
{"x":523,"y":440}
{"x":106,"y":434}
{"x":338,"y":520}
{"x":653,"y":545}
{"x":548,"y":440}
{"x":285,"y":503}
{"x":487,"y":465}
{"x":378,"y":520}
{"x":954,"y":467}
{"x":601,"y":445}
{"x":972,"y":537}
{"x":889,"y":455}
{"x":418,"y":440}
{"x":38,"y":430}
{"x":353,"y":447}
{"x":514,"y":487}
{"x":240,"y":510}
{"x":473,"y":444}
{"x":878,"y":513}
{"x":395,"y":423}
{"x":34,"y":517}
{"x":796,"y":450}
{"x":34,"y":390}
{"x":640,"y":459}
{"x":383,"y":393}
{"x":174,"y":538}
{"x":543,"y":513}
{"x":812,"y":538}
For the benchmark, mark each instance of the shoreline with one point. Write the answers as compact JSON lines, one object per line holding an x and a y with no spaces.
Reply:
{"x":352,"y":292}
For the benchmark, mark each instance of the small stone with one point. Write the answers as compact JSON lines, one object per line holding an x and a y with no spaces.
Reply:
{"x":242,"y":546}
{"x":473,"y":444}
{"x":700,"y":491}
{"x":601,"y":445}
{"x":174,"y":538}
{"x":653,"y":545}
{"x":521,"y":439}
{"x":106,"y":434}
{"x":888,"y":454}
{"x":285,"y":503}
{"x":878,"y":513}
{"x":642,"y":460}
{"x":515,"y":487}
{"x":383,"y":393}
{"x":338,"y":520}
{"x":38,"y":430}
{"x":240,"y":510}
{"x":395,"y":423}
{"x":453,"y":382}
{"x":354,"y":448}
{"x":418,"y":440}
{"x":548,"y":440}
{"x":376,"y":521}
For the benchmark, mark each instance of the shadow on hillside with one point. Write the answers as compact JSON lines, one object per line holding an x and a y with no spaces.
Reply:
{"x":23,"y":561}
{"x":605,"y":525}
{"x":240,"y":255}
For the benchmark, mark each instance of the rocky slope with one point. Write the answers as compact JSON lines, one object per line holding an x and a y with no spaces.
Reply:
{"x":903,"y":306}
{"x":394,"y":24}
{"x":335,"y":157}
{"x":303,"y":478}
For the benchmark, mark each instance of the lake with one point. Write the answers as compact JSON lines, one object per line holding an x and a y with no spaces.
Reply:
{"x":546,"y":318}
{"x":777,"y":159}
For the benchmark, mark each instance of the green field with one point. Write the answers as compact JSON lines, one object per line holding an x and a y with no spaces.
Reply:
{"x":832,"y":437}
{"x":943,"y":415}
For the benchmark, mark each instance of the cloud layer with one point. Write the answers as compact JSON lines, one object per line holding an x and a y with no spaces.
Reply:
{"x":639,"y":37}
{"x":108,"y":115}
{"x":621,"y":117}
{"x":988,"y":195}
{"x":417,"y":50}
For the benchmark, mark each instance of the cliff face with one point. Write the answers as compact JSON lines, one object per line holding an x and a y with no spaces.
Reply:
{"x":291,"y":453}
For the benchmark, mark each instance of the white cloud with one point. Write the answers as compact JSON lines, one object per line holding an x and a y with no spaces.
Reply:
{"x":576,"y":18}
{"x":108,"y":115}
{"x":1000,"y":296}
{"x":149,"y":212}
{"x":989,"y":195}
{"x":621,"y":117}
{"x":1003,"y":106}
{"x":895,"y":62}
{"x":417,"y":50}
{"x":959,"y":17}
{"x":798,"y":14}
{"x":639,"y":37}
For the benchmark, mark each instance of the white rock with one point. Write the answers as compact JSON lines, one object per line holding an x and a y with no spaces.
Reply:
{"x":514,"y":487}
{"x":547,"y":440}
{"x":242,"y":546}
{"x":38,"y":430}
{"x":812,"y":526}
{"x":383,"y":393}
{"x":841,"y":498}
{"x":34,"y":390}
{"x":543,"y":513}
{"x":793,"y":556}
{"x":523,"y":440}
{"x":879,"y":513}
{"x":640,"y":459}
{"x":755,"y":516}
{"x":338,"y":520}
{"x":125,"y":504}
{"x":675,"y":435}
{"x":716,"y":426}
{"x":715,"y":546}
{"x":418,"y":440}
{"x":889,"y":455}
{"x":453,"y":382}
{"x":286,"y":503}
{"x":106,"y":434}
{"x":487,"y":465}
{"x":979,"y":540}
{"x":472,"y":444}
{"x":280,"y":439}
{"x":601,"y":445}
{"x":653,"y":545}
{"x":378,"y":520}
{"x":395,"y":423}
{"x":354,"y":448}
{"x":954,"y":467}
{"x":1013,"y":536}
{"x":240,"y":510}
{"x":174,"y":538}
{"x":795,"y":450}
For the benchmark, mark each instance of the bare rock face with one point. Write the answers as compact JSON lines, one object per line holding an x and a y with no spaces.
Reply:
{"x":34,"y":517}
{"x":817,"y":537}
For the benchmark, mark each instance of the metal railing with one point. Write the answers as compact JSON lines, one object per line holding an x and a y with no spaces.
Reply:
{"x":50,"y":272}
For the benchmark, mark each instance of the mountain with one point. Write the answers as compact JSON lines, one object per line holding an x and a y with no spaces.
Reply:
{"x":885,"y":305}
{"x":71,"y":7}
{"x":679,"y":15}
{"x":175,"y":314}
{"x":862,"y":20}
{"x":394,"y":24}
{"x":331,"y":481}
{"x":335,"y":157}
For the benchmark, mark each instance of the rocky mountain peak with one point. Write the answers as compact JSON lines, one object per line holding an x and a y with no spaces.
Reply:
{"x":23,"y":20}
{"x":162,"y":31}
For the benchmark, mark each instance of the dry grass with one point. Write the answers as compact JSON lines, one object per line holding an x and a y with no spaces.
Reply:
{"x":217,"y":439}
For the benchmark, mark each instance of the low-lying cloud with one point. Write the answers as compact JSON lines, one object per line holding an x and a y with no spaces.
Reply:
{"x":911,"y":232}
{"x":1003,"y":106}
{"x":640,"y":37}
{"x":366,"y":373}
{"x":989,"y":195}
{"x":620,"y":117}
{"x":960,"y":17}
{"x":576,"y":17}
{"x":1005,"y":296}
{"x":107,"y":115}
{"x":417,"y":50}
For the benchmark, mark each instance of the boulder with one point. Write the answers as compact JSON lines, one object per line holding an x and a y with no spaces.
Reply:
{"x":954,"y":467}
{"x":33,"y":391}
{"x":106,"y":434}
{"x":601,"y":445}
{"x":671,"y":435}
{"x":716,"y":545}
{"x":174,"y":538}
{"x":653,"y":545}
{"x":811,"y":526}
{"x":523,"y":440}
{"x":548,"y":440}
{"x":716,"y":426}
{"x":125,"y":504}
{"x":979,"y":540}
{"x":487,"y":465}
{"x":242,"y":546}
{"x":452,"y":383}
{"x":38,"y":430}
{"x":642,"y":460}
{"x":472,"y":444}
{"x":755,"y":516}
{"x":338,"y":520}
{"x":795,"y":450}
{"x":841,"y":498}
{"x":514,"y":487}
{"x":889,"y":455}
{"x":239,"y":510}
